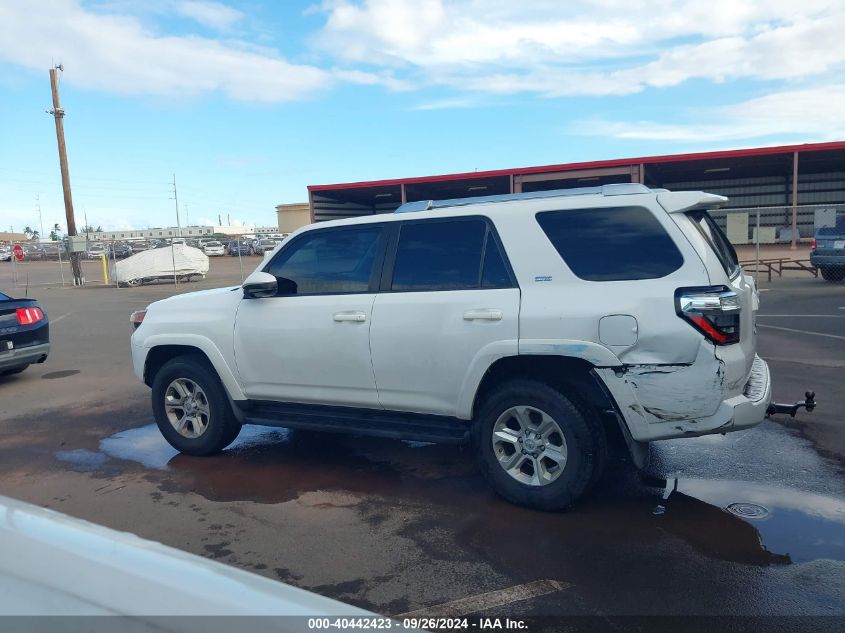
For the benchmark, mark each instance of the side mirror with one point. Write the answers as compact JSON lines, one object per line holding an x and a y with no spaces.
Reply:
{"x":259,"y":285}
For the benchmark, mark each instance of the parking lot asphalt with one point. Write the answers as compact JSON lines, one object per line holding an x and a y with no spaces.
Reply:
{"x":751,"y":523}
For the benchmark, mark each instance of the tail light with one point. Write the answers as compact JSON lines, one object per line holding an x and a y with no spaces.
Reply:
{"x":137,"y":318}
{"x":813,"y":244}
{"x":714,"y":311}
{"x":29,"y":316}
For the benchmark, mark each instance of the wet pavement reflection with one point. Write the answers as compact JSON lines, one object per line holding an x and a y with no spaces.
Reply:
{"x":730,"y":520}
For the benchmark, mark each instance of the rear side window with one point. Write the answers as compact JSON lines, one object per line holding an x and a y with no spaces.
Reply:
{"x":448,"y":255}
{"x":717,"y":239}
{"x":494,"y":273}
{"x":335,"y":261}
{"x":611,"y":243}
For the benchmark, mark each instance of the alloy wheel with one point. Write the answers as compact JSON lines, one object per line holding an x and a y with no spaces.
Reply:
{"x":529,"y":445}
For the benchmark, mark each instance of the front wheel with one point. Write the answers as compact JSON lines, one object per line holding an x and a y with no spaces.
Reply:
{"x":833,"y":274}
{"x":537,"y":447}
{"x":191,"y":408}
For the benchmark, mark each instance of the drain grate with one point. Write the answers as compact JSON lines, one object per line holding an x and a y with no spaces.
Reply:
{"x":748,"y":510}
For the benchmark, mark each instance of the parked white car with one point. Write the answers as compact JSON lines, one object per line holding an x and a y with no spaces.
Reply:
{"x":532,"y":324}
{"x":96,"y":250}
{"x":213,"y":249}
{"x":264,"y":245}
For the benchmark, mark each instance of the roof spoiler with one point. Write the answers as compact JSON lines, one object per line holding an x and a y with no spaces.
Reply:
{"x":683,"y":201}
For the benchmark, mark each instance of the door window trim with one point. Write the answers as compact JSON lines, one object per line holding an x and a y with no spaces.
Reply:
{"x":375,"y":272}
{"x":395,"y":231}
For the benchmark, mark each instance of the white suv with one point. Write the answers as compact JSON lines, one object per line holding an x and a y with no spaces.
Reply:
{"x":533,"y":325}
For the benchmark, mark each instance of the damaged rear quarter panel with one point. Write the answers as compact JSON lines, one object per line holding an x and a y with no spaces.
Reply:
{"x":669,"y":400}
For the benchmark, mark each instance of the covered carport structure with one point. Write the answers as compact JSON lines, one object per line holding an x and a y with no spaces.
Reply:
{"x":763,"y":181}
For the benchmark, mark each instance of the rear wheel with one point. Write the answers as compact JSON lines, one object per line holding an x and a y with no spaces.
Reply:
{"x":537,"y":447}
{"x":833,"y":274}
{"x":191,"y":408}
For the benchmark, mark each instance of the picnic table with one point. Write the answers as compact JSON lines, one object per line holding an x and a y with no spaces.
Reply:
{"x":778,"y":265}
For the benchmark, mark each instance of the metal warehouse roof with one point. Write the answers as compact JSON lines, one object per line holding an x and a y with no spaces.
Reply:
{"x":617,"y":162}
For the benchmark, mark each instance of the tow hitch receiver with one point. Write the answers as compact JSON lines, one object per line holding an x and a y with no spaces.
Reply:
{"x":808,"y":403}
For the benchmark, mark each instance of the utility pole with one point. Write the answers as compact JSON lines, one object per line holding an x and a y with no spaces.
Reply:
{"x":178,"y":232}
{"x":58,"y":115}
{"x":176,"y":200}
{"x":40,"y":219}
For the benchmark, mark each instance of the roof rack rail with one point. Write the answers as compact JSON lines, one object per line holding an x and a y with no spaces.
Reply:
{"x":619,"y":189}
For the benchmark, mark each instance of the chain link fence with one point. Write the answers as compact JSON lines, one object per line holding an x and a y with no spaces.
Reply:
{"x":48,"y":263}
{"x":763,"y":238}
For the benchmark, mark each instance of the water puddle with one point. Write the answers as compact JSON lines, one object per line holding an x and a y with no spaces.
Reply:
{"x":146,"y":446}
{"x":793,"y":525}
{"x":737,"y":521}
{"x":83,"y":460}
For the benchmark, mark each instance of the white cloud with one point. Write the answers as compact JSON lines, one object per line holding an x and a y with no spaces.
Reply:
{"x":586,"y":47}
{"x":809,"y":114}
{"x":118,"y":54}
{"x":447,"y":104}
{"x":211,"y":14}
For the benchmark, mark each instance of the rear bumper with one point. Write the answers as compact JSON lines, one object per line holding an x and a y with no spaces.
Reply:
{"x":749,"y":409}
{"x":818,"y":260}
{"x":24,"y":356}
{"x":646,"y":422}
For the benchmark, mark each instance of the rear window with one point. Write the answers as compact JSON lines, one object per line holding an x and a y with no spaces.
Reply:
{"x":717,"y":239}
{"x":4,"y":297}
{"x":611,"y":243}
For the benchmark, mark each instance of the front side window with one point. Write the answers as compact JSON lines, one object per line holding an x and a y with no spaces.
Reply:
{"x":611,"y":243}
{"x":448,"y":255}
{"x":332,"y":261}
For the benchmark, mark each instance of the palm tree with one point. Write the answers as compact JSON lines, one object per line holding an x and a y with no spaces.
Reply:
{"x":28,"y":232}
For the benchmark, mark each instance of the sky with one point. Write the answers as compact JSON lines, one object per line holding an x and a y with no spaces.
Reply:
{"x":247,"y":103}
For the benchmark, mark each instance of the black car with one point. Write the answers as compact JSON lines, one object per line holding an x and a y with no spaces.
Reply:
{"x":24,"y":334}
{"x":119,"y":250}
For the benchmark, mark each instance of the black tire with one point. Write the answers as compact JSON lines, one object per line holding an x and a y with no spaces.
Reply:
{"x":584,"y":434}
{"x":833,"y":274}
{"x":222,"y":427}
{"x":13,"y":370}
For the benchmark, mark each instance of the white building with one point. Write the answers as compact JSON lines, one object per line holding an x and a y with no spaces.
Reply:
{"x":170,"y":232}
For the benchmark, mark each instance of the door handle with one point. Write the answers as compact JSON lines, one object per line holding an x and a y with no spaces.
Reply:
{"x":357,"y":317}
{"x":483,"y":315}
